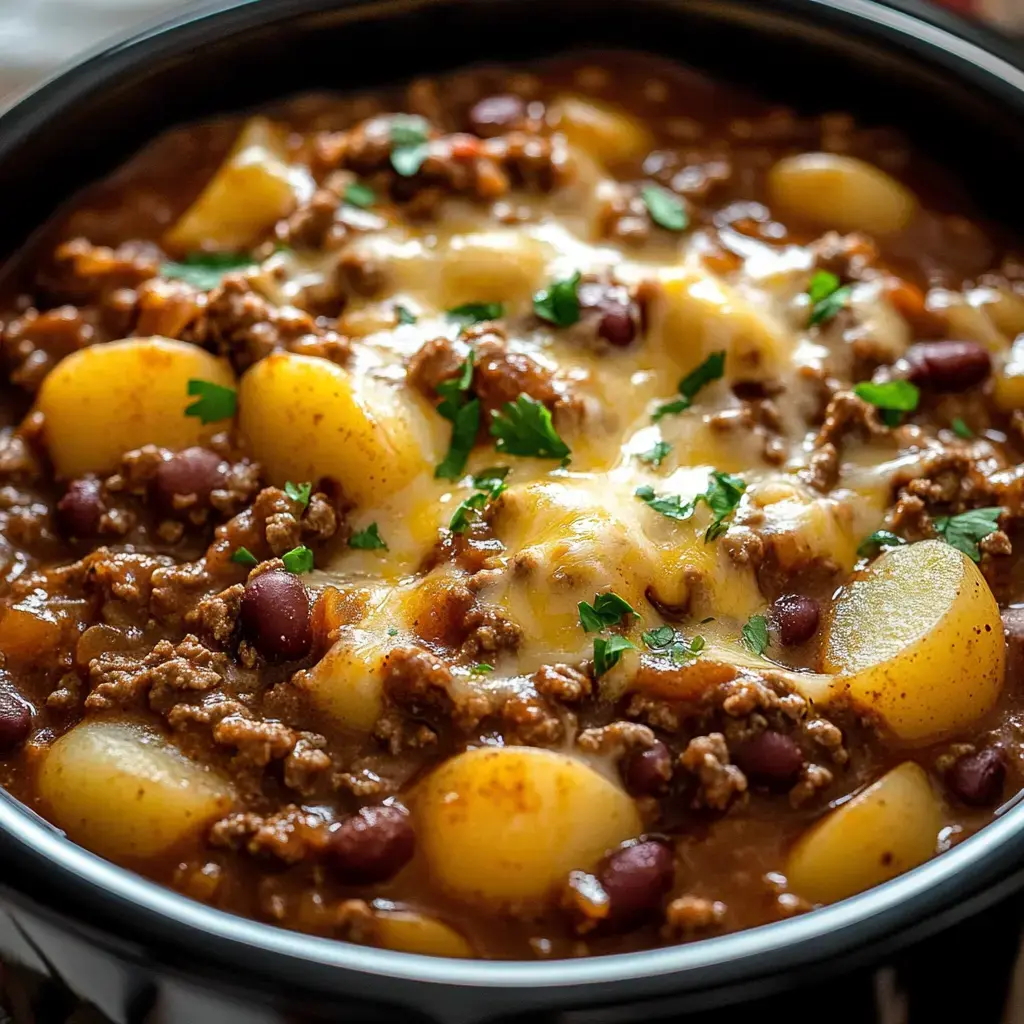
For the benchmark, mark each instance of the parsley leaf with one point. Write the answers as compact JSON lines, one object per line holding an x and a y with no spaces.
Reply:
{"x":243,"y":556}
{"x":665,"y":642}
{"x":608,"y":650}
{"x":409,"y":146}
{"x":525,"y":428}
{"x":299,"y":492}
{"x":559,"y":303}
{"x":404,"y":315}
{"x":205,"y":270}
{"x":965,"y":530}
{"x":961,"y":429}
{"x":368,"y":539}
{"x":665,"y":207}
{"x":213,"y":402}
{"x":464,"y":415}
{"x":481,"y":669}
{"x":476,"y":312}
{"x":827,"y":297}
{"x":880,"y":539}
{"x":607,"y":610}
{"x":360,"y":195}
{"x":392,"y":631}
{"x":699,"y":377}
{"x":755,"y":634}
{"x":656,"y":455}
{"x":489,"y":484}
{"x":723,"y":494}
{"x":672,"y":506}
{"x":893,"y":397}
{"x":298,"y":560}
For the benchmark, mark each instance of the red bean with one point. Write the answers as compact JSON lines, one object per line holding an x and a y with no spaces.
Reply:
{"x":195,"y":471}
{"x":796,"y":618}
{"x":977,"y":779}
{"x":647,"y":772}
{"x":636,"y":879}
{"x":372,"y":845}
{"x":275,"y":615}
{"x":617,"y":315}
{"x":948,"y":365}
{"x":769,"y":757}
{"x":15,"y":719}
{"x":496,"y":114}
{"x":80,"y":509}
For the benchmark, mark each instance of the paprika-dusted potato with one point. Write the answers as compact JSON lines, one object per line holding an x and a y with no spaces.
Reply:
{"x":918,"y":640}
{"x":307,"y":418}
{"x":254,"y":187}
{"x":609,"y":134}
{"x":889,"y":828}
{"x":839,"y":192}
{"x":504,"y":825}
{"x":124,"y":791}
{"x":104,"y":400}
{"x":346,"y":683}
{"x":410,"y":932}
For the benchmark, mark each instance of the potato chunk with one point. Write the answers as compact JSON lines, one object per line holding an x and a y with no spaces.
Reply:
{"x":104,"y":400}
{"x":840,"y":192}
{"x":600,"y":130}
{"x":346,"y":684}
{"x":918,"y":640}
{"x":505,"y":825}
{"x":252,"y":189}
{"x":307,"y":418}
{"x":125,"y":792}
{"x":887,"y":829}
{"x":411,"y":932}
{"x":493,"y":266}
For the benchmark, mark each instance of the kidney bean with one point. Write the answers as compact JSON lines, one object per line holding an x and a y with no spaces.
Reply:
{"x":618,"y":316}
{"x":647,"y":772}
{"x":371,"y":845}
{"x":275,"y":615}
{"x":796,"y":618}
{"x":496,"y":114}
{"x":977,"y":779}
{"x":948,"y":365}
{"x":770,"y":757}
{"x":15,"y":720}
{"x":195,"y":471}
{"x":636,"y":879}
{"x":80,"y":509}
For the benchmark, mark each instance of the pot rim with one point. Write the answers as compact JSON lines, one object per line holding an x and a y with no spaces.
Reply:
{"x":147,"y":912}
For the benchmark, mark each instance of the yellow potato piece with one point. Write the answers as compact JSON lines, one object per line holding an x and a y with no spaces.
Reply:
{"x":506,"y":825}
{"x":254,"y":188}
{"x":1008,"y":379}
{"x":889,"y":828}
{"x":346,"y":683}
{"x":125,"y":792}
{"x":839,"y":192}
{"x":605,"y":132}
{"x":105,"y":400}
{"x":919,"y":641}
{"x":410,"y":932}
{"x":306,"y":418}
{"x":492,"y":266}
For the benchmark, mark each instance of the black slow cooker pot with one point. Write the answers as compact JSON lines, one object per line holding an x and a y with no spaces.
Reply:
{"x":140,"y":953}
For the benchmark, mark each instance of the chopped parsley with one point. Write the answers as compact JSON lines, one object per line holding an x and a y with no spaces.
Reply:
{"x":723,"y":494}
{"x":298,"y":560}
{"x":879,"y":540}
{"x":243,"y":556}
{"x":608,"y":650}
{"x":404,"y":315}
{"x":656,"y":455}
{"x":607,"y":610}
{"x":671,"y":506}
{"x":299,"y":492}
{"x":665,"y":642}
{"x":965,"y":530}
{"x":755,"y":634}
{"x":827,"y":297}
{"x":666,"y":208}
{"x":360,"y":195}
{"x":464,"y":414}
{"x":961,"y":429}
{"x":524,"y":428}
{"x":392,"y":631}
{"x":559,"y":303}
{"x":205,"y":270}
{"x":409,"y":146}
{"x":893,"y":398}
{"x":489,"y":484}
{"x":699,"y":377}
{"x":481,"y":668}
{"x":368,"y":539}
{"x":213,"y":403}
{"x":476,"y":312}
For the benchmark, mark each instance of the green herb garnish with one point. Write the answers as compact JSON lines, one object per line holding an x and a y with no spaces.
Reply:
{"x":464,"y":414}
{"x":368,"y":539}
{"x":392,"y":631}
{"x":559,"y":303}
{"x":665,"y":207}
{"x":525,"y":428}
{"x":360,"y":195}
{"x":481,"y":668}
{"x":755,"y":634}
{"x":656,"y":455}
{"x":671,"y":506}
{"x":827,"y":296}
{"x":893,"y":398}
{"x":243,"y":556}
{"x":965,"y":530}
{"x":608,"y":650}
{"x":205,"y":270}
{"x":723,"y":494}
{"x":299,"y":492}
{"x":489,"y":484}
{"x":213,"y":403}
{"x":607,"y":610}
{"x":298,"y":560}
{"x":665,"y":642}
{"x":961,"y":429}
{"x":404,"y":315}
{"x":711,"y":369}
{"x":476,"y":312}
{"x":879,"y":540}
{"x":409,"y":147}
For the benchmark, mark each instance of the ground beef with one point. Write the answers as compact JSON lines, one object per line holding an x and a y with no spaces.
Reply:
{"x":719,"y":783}
{"x":35,"y":342}
{"x":291,"y":835}
{"x":687,"y":916}
{"x":848,"y":415}
{"x":84,"y":274}
{"x":616,"y":739}
{"x":562,"y":682}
